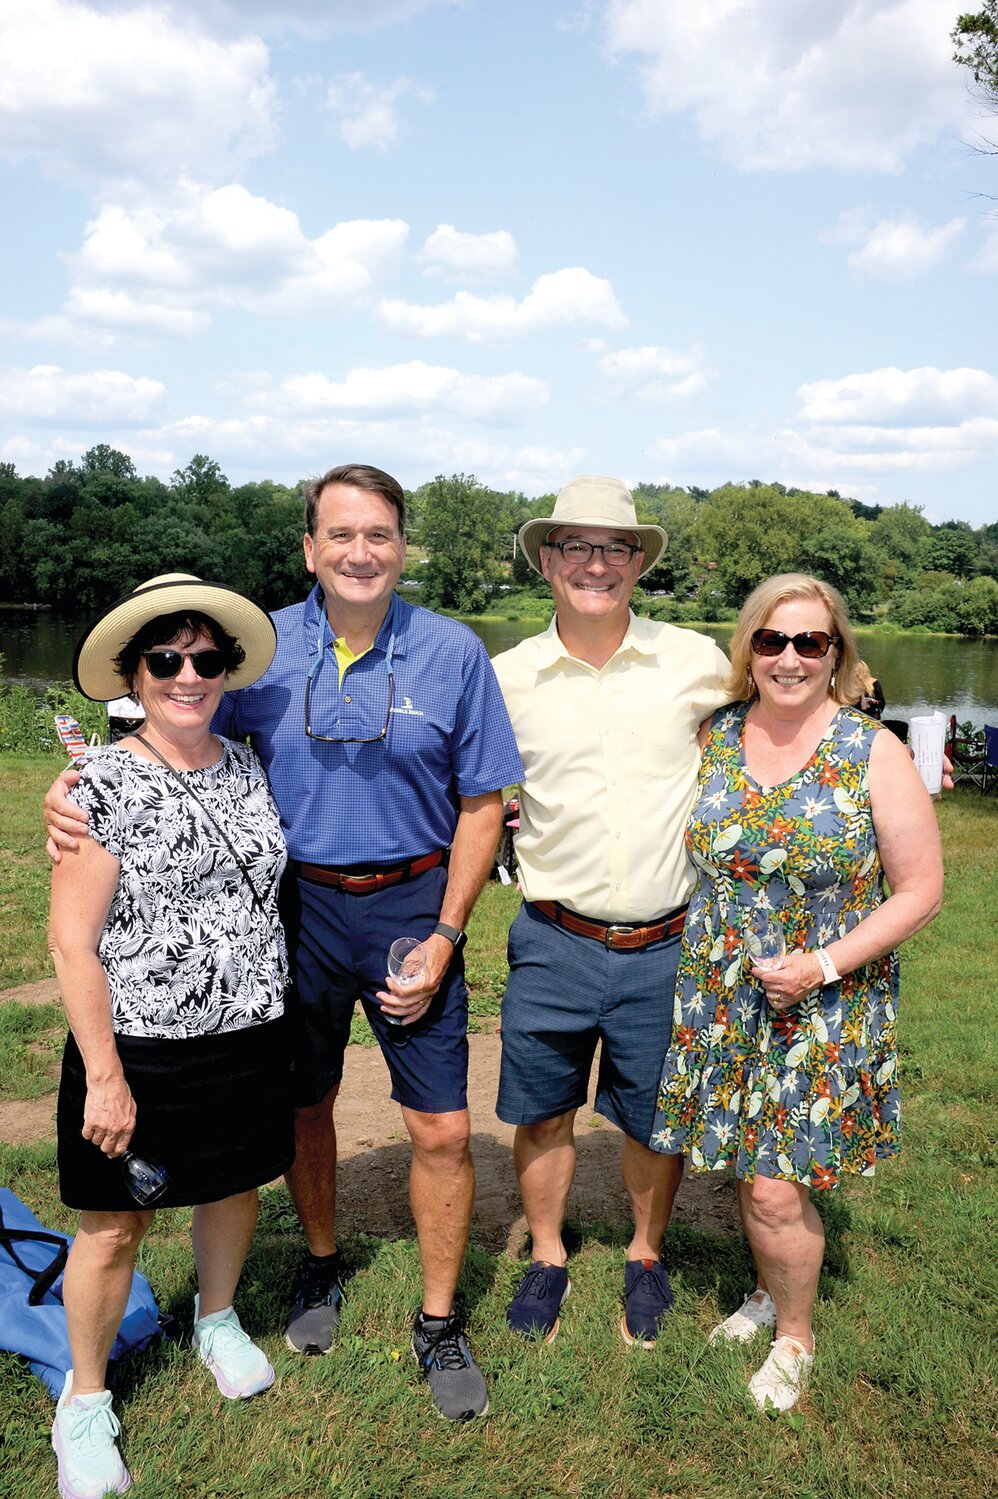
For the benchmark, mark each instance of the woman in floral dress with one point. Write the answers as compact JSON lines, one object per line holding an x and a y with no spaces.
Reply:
{"x":789,"y":1073}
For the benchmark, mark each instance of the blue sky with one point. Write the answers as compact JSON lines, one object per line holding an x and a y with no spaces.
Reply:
{"x":675,"y":240}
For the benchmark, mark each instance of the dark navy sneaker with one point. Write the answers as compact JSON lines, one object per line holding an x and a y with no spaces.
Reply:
{"x":537,"y":1302}
{"x":314,"y":1317}
{"x":647,"y":1298}
{"x":456,"y":1382}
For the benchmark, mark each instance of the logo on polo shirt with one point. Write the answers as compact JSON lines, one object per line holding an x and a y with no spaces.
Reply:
{"x":409,"y":709}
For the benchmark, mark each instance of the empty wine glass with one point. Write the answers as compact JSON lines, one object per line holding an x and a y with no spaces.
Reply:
{"x":765,"y":942}
{"x":147,"y":1181}
{"x":406,"y":965}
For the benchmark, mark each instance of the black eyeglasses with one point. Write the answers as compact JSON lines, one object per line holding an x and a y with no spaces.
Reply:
{"x":617,"y":553}
{"x":166,"y":664}
{"x":810,"y":645}
{"x":348,"y":738}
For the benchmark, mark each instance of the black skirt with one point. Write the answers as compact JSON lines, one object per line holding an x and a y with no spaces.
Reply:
{"x":216,"y":1111}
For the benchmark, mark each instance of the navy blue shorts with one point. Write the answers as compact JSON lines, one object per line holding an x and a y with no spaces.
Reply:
{"x":338,"y":946}
{"x":565,"y":993}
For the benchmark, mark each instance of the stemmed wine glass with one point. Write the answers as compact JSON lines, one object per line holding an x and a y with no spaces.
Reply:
{"x":765,"y":942}
{"x":406,"y":965}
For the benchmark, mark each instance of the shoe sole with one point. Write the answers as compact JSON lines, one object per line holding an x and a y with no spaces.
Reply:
{"x":631,"y":1340}
{"x":548,"y":1337}
{"x":64,"y":1488}
{"x":311,"y":1350}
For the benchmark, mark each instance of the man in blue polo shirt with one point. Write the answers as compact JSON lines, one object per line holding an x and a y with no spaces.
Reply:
{"x":387,"y":743}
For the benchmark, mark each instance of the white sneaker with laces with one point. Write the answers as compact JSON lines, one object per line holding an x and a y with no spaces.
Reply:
{"x":779,"y":1384}
{"x":84,"y":1434}
{"x":241,"y":1369}
{"x":757,"y":1310}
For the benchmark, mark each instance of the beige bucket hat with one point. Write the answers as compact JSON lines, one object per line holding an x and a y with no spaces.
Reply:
{"x":591,"y":500}
{"x":171,"y":593}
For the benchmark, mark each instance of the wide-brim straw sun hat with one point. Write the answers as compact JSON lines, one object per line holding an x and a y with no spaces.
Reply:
{"x":591,"y":500}
{"x":172,"y":593}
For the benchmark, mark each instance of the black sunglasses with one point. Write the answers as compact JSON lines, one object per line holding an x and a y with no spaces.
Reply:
{"x":810,"y":645}
{"x":165,"y":664}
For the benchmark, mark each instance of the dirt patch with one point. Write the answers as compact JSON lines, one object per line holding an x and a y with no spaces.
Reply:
{"x":374,"y":1153}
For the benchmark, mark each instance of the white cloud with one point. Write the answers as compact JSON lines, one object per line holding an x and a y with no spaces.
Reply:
{"x":164,"y":269}
{"x":132,"y":95}
{"x":855,"y":84}
{"x":368,"y":108}
{"x":312,"y":18}
{"x":557,"y":300}
{"x":895,"y":250}
{"x":412,"y":388}
{"x":656,"y":373}
{"x":47,"y":395}
{"x":847,"y":432}
{"x":467,"y":257}
{"x":900,"y":397}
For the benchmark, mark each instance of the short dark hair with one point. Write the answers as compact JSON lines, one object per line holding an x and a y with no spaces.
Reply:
{"x":185,"y":625}
{"x":361,"y":476}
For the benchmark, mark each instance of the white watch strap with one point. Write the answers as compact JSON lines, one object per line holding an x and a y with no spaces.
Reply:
{"x":829,"y":973}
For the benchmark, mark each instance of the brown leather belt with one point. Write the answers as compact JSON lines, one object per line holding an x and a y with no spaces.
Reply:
{"x":615,"y":936}
{"x":370,"y":880}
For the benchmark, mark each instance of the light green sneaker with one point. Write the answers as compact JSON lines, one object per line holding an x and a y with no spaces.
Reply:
{"x":241,"y":1369}
{"x":84,"y":1434}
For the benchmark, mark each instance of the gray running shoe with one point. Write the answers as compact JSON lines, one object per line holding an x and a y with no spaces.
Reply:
{"x":314,"y":1318}
{"x":456,"y":1382}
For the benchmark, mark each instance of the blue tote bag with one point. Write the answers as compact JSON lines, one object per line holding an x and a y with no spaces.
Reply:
{"x":32,"y":1318}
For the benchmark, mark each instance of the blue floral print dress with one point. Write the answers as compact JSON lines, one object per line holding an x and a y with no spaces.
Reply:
{"x":813,"y":1093}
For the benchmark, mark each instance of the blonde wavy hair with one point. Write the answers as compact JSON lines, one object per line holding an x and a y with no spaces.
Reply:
{"x":849,"y":673}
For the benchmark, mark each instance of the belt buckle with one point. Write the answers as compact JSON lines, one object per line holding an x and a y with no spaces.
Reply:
{"x":617,"y":930}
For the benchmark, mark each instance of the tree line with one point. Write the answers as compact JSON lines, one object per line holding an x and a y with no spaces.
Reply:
{"x":89,"y":531}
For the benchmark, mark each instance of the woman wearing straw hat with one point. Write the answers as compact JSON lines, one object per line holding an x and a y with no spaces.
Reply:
{"x":171,"y":963}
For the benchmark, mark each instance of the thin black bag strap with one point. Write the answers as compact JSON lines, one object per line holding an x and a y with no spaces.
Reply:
{"x":42,"y":1281}
{"x":212,"y":819}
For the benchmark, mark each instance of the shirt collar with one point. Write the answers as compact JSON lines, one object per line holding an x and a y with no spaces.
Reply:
{"x":312,"y":622}
{"x":642,"y":635}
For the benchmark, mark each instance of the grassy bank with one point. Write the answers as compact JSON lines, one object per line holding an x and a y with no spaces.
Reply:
{"x":905,"y":1390}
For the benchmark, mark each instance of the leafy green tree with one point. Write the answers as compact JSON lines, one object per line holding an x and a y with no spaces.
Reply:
{"x":899,"y":535}
{"x":463,"y":531}
{"x":201,"y":480}
{"x":975,"y":36}
{"x":103,"y":459}
{"x":951,"y":548}
{"x":978,"y":610}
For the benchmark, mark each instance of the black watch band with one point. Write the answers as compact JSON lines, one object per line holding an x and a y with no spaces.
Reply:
{"x":457,"y":938}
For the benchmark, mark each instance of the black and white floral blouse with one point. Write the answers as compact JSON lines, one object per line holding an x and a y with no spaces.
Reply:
{"x":187,"y":950}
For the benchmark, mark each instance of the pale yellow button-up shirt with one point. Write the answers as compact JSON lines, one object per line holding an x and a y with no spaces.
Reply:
{"x":610,"y":762}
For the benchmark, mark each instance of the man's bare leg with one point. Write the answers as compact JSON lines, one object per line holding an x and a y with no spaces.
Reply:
{"x":544,"y":1156}
{"x":652,"y":1181}
{"x":442,"y":1195}
{"x":312,"y":1178}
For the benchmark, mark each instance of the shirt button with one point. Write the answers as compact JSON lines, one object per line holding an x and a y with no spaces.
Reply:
{"x":617,"y":885}
{"x":348,"y":699}
{"x":616,"y":835}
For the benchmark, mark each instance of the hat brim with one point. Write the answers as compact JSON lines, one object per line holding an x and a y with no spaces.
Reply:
{"x":531,"y":535}
{"x":93,"y":664}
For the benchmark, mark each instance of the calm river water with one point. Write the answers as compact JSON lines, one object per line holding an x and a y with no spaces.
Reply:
{"x":918,"y":672}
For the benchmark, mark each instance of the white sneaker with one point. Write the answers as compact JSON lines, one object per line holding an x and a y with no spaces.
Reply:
{"x":779,"y":1384}
{"x":757,"y":1310}
{"x":84,"y":1434}
{"x":241,"y":1369}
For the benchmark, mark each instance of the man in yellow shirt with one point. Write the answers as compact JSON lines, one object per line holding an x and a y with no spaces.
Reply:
{"x":605,"y":707}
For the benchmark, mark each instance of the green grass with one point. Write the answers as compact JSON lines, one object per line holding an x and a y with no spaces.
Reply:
{"x":905,"y":1389}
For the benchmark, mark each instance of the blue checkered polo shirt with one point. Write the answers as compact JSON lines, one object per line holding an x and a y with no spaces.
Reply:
{"x":449,"y":735}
